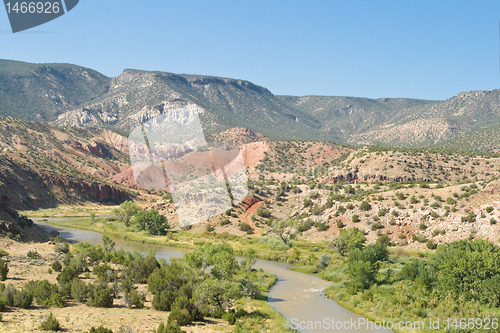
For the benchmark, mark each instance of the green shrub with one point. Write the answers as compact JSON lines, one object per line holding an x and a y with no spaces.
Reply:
{"x":230,"y":317}
{"x":316,"y":210}
{"x":8,"y":294}
{"x":141,"y":268}
{"x":56,"y":301}
{"x":384,"y":239}
{"x":489,"y":209}
{"x":321,"y":226}
{"x":225,"y":222}
{"x":163,"y":301}
{"x":324,"y":260}
{"x":50,"y":323}
{"x":4,"y":269}
{"x":465,"y":270}
{"x":400,"y":195}
{"x":355,"y":218}
{"x":170,"y":328}
{"x":340,"y":224}
{"x":101,"y":297}
{"x":361,"y":272}
{"x":67,"y":274}
{"x":414,"y":200}
{"x":23,"y":299}
{"x":62,"y":247}
{"x":100,"y":329}
{"x":134,"y":298}
{"x":450,"y":201}
{"x":44,"y":291}
{"x":436,"y":232}
{"x":435,"y":204}
{"x":180,"y":317}
{"x":419,"y":238}
{"x":246,"y":227}
{"x":431,"y":244}
{"x":305,"y":225}
{"x":382,"y":212}
{"x":3,"y":305}
{"x":33,"y":254}
{"x":365,"y":206}
{"x":79,"y":290}
{"x":264,"y":212}
{"x":104,"y":272}
{"x":56,"y":266}
{"x":471,"y":217}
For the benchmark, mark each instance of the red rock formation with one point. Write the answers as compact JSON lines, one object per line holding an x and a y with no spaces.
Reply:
{"x":93,"y":148}
{"x":249,"y":201}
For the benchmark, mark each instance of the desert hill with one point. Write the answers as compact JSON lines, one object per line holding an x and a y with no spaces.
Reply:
{"x":42,"y":166}
{"x":70,"y":95}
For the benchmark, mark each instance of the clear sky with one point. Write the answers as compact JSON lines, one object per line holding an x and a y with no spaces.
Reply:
{"x":418,"y":49}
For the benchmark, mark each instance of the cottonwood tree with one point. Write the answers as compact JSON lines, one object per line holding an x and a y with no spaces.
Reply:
{"x":219,"y":258}
{"x":107,"y":244}
{"x":220,"y":293}
{"x":126,"y":211}
{"x":347,"y":240}
{"x":249,"y":261}
{"x":284,"y":229}
{"x":152,"y":221}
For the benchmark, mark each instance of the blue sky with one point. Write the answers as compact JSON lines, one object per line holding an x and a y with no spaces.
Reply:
{"x":417,"y":49}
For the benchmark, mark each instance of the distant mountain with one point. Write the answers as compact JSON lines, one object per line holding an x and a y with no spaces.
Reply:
{"x":136,"y":96}
{"x":346,"y":117}
{"x":485,"y":140}
{"x":43,"y":91}
{"x":69,"y":95}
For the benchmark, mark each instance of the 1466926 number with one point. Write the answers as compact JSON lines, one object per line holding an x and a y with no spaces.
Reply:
{"x":472,"y":323}
{"x":33,"y":7}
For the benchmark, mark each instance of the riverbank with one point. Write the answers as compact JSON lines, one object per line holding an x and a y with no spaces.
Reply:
{"x":266,"y":248}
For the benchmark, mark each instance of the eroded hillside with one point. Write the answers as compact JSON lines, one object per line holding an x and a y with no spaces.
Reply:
{"x":42,"y":166}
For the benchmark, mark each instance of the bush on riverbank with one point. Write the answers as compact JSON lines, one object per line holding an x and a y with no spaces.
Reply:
{"x":459,"y":281}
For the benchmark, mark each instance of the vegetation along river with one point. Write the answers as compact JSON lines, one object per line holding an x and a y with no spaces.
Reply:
{"x":297,"y":296}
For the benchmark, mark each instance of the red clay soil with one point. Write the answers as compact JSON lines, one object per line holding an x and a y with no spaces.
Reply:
{"x":254,"y":152}
{"x":247,"y":215}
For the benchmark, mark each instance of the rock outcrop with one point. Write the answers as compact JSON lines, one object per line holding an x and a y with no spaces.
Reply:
{"x":94,"y":148}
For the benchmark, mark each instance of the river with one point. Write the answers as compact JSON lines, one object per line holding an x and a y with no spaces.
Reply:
{"x":297,"y":296}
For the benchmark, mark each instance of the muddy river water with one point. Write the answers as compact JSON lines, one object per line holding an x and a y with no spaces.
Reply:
{"x":297,"y":296}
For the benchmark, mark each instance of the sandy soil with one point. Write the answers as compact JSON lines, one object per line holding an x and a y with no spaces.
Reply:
{"x":78,"y":317}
